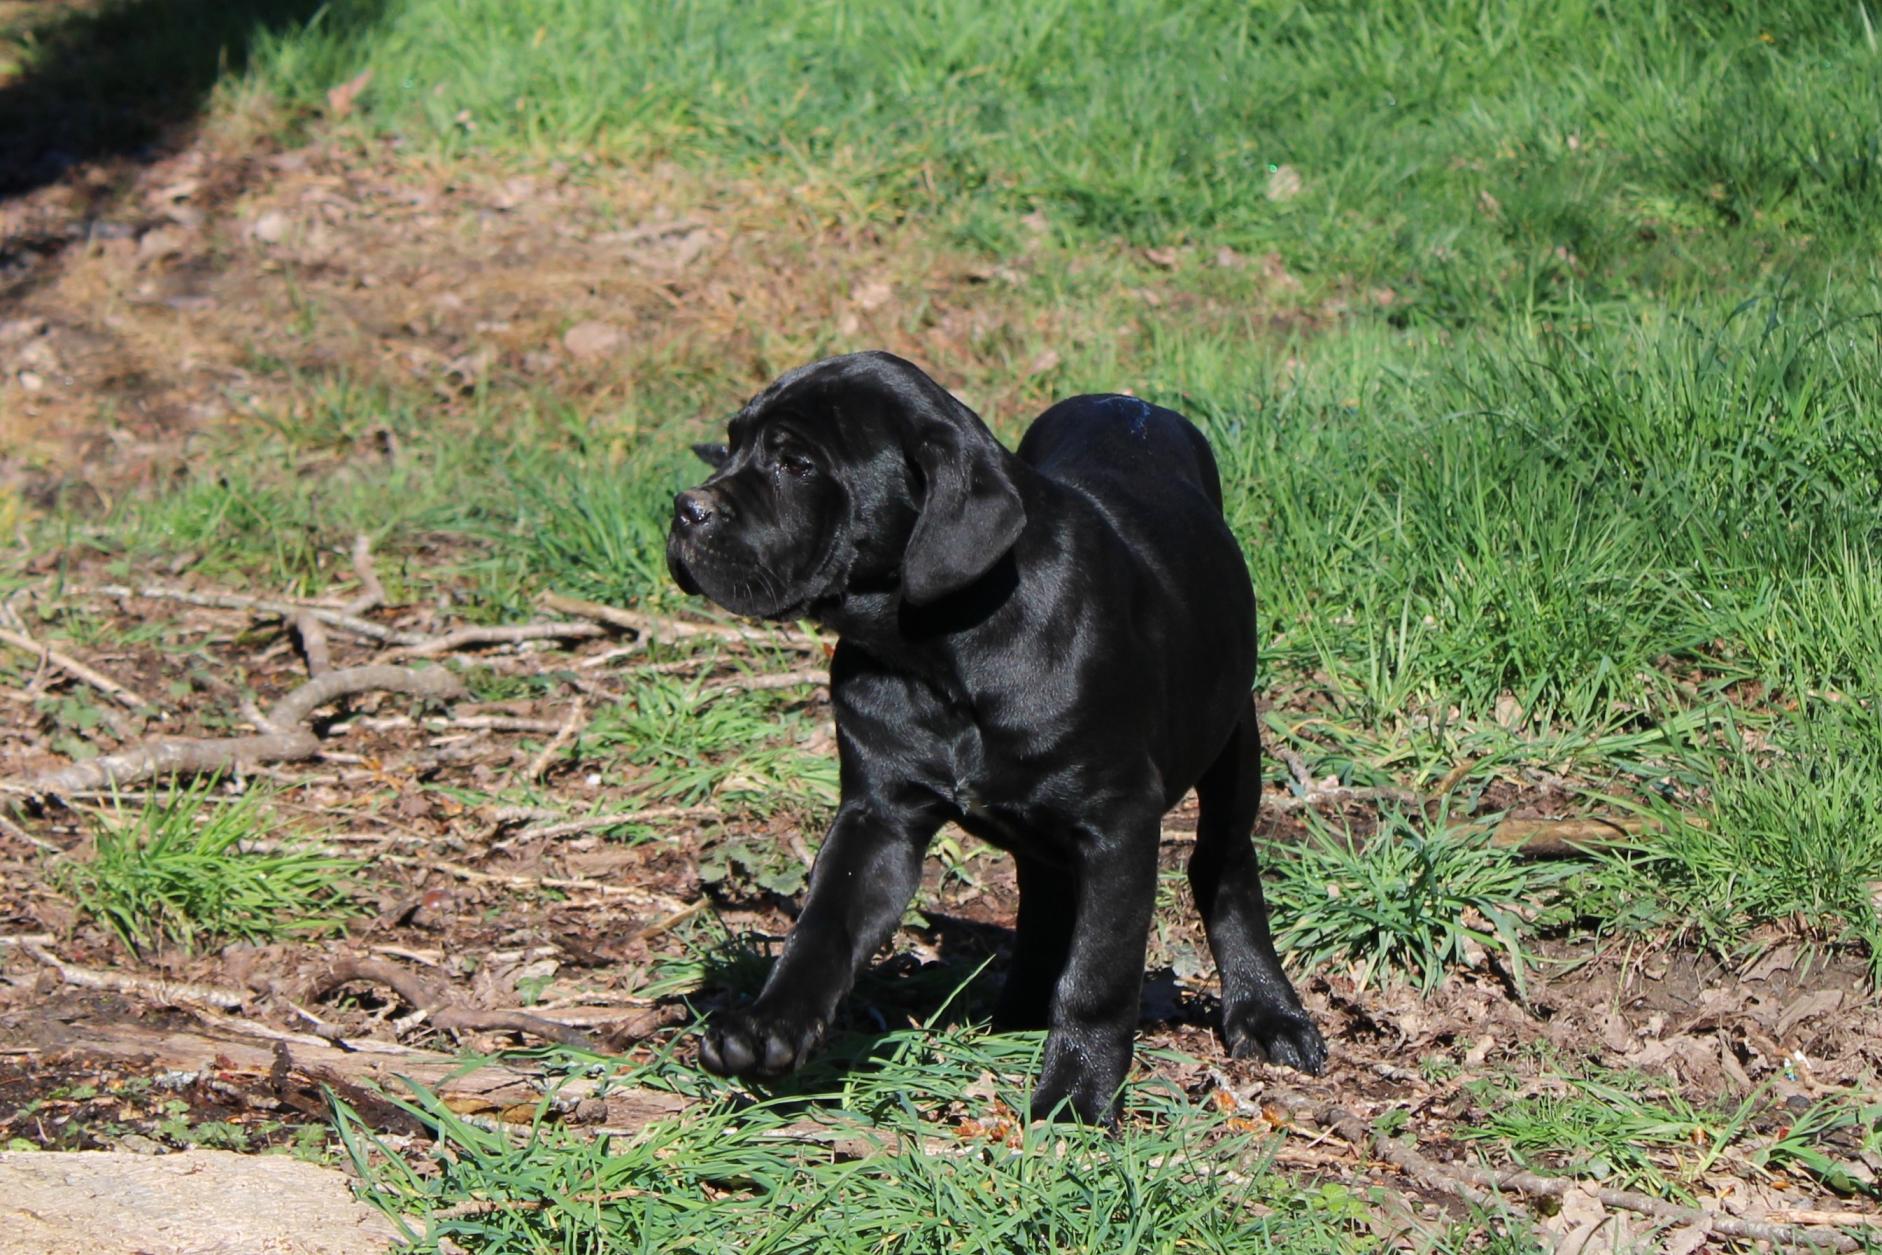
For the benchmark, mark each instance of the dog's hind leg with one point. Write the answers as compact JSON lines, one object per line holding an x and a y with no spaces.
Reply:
{"x":1261,"y":1013}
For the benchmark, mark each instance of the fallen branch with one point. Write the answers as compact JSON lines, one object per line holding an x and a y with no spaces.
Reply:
{"x":610,"y":819}
{"x":757,"y":683}
{"x":285,"y":610}
{"x":643,"y":624}
{"x":314,"y":648}
{"x":74,"y":668}
{"x":1318,"y":795}
{"x":283,"y":741}
{"x":39,"y":843}
{"x":501,"y":634}
{"x":667,"y":923}
{"x":540,"y":763}
{"x":160,"y":991}
{"x":372,"y":594}
{"x":431,"y":683}
{"x":462,"y":872}
{"x":426,"y":997}
{"x":1485,"y":1188}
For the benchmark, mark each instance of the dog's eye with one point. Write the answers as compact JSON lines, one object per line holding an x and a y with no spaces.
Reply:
{"x":794,"y":463}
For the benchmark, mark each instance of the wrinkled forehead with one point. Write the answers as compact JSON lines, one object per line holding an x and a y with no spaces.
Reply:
{"x":840,"y":419}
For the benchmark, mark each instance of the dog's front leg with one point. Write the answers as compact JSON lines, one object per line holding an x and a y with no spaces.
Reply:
{"x":864,"y":878}
{"x":1095,"y":1007}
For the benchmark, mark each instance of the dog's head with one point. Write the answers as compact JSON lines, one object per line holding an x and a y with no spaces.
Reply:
{"x":856,"y":472}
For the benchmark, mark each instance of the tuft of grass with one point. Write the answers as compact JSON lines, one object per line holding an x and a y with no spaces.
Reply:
{"x":692,"y":745}
{"x":1791,"y":835}
{"x":1610,"y":1129}
{"x":595,"y":525}
{"x":1623,"y":1129}
{"x":954,"y":1159}
{"x":1407,"y":902}
{"x":175,"y":870}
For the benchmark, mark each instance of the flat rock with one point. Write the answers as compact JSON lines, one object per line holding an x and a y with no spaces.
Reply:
{"x":197,"y":1202}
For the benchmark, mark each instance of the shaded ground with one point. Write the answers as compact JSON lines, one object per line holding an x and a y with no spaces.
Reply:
{"x":193,"y":293}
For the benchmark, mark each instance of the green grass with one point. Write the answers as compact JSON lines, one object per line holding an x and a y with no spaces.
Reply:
{"x":739,"y":745}
{"x":1407,"y":903}
{"x":175,"y":870}
{"x":1792,"y":835}
{"x":1623,"y":1130}
{"x":1480,"y":159}
{"x":731,"y":1176}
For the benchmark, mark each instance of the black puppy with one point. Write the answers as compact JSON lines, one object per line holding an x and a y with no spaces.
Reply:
{"x":1049,"y":649}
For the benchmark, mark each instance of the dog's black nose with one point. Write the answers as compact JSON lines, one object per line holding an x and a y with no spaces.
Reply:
{"x":691,"y":509}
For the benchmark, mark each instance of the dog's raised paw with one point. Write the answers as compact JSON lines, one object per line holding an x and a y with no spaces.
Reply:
{"x":746,"y":1043}
{"x":1286,"y":1037}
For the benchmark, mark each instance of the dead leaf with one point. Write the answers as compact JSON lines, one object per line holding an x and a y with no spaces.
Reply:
{"x":1044,"y":363}
{"x":1164,"y":258}
{"x":340,"y":99}
{"x":1807,"y":1006}
{"x":1491,"y":206}
{"x":1573,"y":1229}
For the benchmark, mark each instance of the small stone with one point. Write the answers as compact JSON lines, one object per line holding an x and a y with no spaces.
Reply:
{"x":15,"y":329}
{"x":591,"y":339}
{"x":871,"y":295}
{"x":162,"y":242}
{"x":31,"y":382}
{"x":271,"y":227}
{"x":1284,"y":183}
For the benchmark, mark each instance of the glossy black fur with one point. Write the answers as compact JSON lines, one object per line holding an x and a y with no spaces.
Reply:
{"x":1048,"y":648}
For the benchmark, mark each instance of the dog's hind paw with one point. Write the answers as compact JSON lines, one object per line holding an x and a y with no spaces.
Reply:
{"x":747,"y":1043}
{"x":1285,"y":1037}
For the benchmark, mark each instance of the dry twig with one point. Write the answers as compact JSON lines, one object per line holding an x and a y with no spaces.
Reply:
{"x":314,"y":648}
{"x":501,"y":634}
{"x":779,"y":680}
{"x":74,"y":668}
{"x":160,"y":991}
{"x":643,"y":624}
{"x":610,"y":819}
{"x":566,"y":733}
{"x":283,"y":739}
{"x":425,"y":997}
{"x":372,"y":594}
{"x":285,"y":610}
{"x":572,"y":884}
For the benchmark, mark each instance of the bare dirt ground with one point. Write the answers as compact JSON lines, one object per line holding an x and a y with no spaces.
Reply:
{"x":144,"y":305}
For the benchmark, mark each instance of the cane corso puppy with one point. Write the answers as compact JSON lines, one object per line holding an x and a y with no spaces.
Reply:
{"x":1048,"y":648}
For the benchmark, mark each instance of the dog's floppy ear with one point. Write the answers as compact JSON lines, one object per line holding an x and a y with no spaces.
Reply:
{"x":712,"y":454}
{"x":970,"y":512}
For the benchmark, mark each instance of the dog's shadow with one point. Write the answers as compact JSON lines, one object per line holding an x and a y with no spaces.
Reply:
{"x":955,"y":984}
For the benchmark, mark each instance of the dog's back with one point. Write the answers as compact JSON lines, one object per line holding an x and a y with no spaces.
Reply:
{"x":1094,"y":439}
